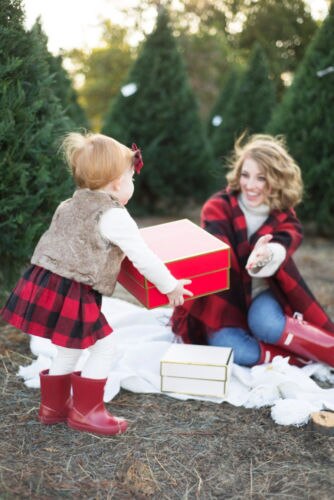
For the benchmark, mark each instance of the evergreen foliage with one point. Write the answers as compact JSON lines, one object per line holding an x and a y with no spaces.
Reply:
{"x":66,"y":93}
{"x":305,"y":117}
{"x":222,"y":103}
{"x":250,"y":106}
{"x":210,"y":44}
{"x":209,"y":56}
{"x":33,"y":179}
{"x":162,"y":118}
{"x":103,"y":70}
{"x":62,"y":84}
{"x":283,"y":28}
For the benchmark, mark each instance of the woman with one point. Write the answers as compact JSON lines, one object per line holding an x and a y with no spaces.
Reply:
{"x":268,"y":309}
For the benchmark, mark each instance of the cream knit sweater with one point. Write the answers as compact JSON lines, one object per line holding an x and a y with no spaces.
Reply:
{"x":255,"y":217}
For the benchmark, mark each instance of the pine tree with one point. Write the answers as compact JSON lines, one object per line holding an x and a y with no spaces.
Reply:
{"x":64,"y":90}
{"x":162,"y":118}
{"x":62,"y":84}
{"x":103,"y":69}
{"x":250,"y":106}
{"x":225,"y":96}
{"x":33,"y":178}
{"x":305,"y":117}
{"x":283,"y":28}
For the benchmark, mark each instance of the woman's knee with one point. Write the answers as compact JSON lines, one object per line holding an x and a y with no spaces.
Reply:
{"x":246,"y":349}
{"x":266,"y":318}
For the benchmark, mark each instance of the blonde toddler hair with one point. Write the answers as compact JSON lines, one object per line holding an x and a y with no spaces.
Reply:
{"x":283,"y":176}
{"x":95,"y":159}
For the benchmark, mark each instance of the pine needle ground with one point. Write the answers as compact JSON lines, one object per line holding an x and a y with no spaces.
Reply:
{"x":172,"y":449}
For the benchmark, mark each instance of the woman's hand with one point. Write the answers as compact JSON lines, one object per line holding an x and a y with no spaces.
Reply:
{"x":176,"y":296}
{"x":261,"y":254}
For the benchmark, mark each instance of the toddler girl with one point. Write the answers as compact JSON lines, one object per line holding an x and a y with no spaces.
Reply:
{"x":75,"y":262}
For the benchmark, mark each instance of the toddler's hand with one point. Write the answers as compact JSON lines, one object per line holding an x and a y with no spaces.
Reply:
{"x":176,"y":296}
{"x":261,"y":254}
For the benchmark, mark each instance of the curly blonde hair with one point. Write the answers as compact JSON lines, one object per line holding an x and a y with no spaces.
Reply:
{"x":284,"y":185}
{"x":95,"y":159}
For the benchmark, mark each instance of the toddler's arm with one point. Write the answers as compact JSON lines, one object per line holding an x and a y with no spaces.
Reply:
{"x":176,"y":296}
{"x":118,"y":226}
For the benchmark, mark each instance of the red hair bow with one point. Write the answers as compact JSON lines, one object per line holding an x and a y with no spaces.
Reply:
{"x":138,"y":160}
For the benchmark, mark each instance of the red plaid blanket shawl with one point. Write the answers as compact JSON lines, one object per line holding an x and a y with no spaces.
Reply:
{"x":222,"y":217}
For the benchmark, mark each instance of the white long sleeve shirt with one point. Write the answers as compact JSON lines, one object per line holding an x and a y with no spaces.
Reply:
{"x":118,"y":226}
{"x":255,"y":217}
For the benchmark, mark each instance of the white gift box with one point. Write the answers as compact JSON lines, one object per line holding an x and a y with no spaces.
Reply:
{"x":196,"y":370}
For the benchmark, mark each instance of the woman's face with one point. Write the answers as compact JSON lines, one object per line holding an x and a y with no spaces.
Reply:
{"x":252,"y":183}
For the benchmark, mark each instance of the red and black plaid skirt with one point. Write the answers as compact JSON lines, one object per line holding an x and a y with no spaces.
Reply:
{"x":62,"y":310}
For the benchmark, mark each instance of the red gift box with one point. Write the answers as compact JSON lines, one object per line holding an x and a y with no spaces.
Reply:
{"x":189,"y":252}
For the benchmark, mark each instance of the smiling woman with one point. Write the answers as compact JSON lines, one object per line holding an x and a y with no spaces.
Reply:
{"x":268,"y":309}
{"x":252,"y":183}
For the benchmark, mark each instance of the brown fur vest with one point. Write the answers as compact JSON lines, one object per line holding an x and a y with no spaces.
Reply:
{"x":74,"y":248}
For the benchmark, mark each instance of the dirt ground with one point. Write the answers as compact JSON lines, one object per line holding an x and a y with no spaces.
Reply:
{"x":172,"y":449}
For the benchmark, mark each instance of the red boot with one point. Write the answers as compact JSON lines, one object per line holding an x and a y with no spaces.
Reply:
{"x":311,"y":342}
{"x":89,"y":413}
{"x":269,"y":351}
{"x":55,"y":397}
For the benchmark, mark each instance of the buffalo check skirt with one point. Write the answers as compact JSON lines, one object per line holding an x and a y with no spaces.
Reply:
{"x":56,"y":308}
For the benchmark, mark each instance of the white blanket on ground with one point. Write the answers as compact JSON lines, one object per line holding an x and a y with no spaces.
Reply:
{"x":142,"y":336}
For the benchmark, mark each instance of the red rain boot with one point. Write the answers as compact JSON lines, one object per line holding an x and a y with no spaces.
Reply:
{"x":311,"y":342}
{"x":269,"y":351}
{"x":55,"y":397}
{"x":89,"y":413}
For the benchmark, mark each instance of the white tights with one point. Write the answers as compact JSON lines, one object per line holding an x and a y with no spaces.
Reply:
{"x":97,"y":365}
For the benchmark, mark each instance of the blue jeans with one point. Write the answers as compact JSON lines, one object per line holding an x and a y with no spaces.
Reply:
{"x":266,"y":321}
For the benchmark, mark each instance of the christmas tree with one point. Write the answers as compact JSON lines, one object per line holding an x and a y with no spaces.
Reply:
{"x":33,"y":178}
{"x":217,"y":114}
{"x":62,"y":84}
{"x":250,"y":106}
{"x":158,"y":111}
{"x":305,"y":117}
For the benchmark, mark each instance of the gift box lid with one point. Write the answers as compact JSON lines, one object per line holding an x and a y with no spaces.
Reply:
{"x":196,"y":361}
{"x":184,"y":233}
